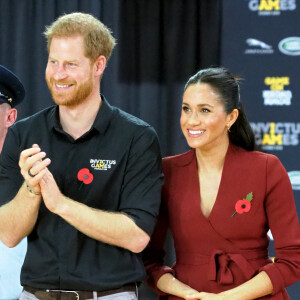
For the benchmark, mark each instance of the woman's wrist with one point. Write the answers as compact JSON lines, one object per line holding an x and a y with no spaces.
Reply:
{"x":225,"y":296}
{"x":167,"y":283}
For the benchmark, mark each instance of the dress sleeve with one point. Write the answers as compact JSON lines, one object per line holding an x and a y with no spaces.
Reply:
{"x":154,"y":254}
{"x":284,"y":224}
{"x":143,"y":179}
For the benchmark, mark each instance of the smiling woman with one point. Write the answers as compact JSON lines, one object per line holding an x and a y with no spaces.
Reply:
{"x":219,"y":200}
{"x":204,"y":121}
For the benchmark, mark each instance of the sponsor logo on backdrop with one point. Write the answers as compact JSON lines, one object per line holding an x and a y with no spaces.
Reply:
{"x":276,"y":136}
{"x":102,"y":164}
{"x":290,"y":46}
{"x":277,"y":95}
{"x":271,"y":7}
{"x":295,"y":179}
{"x":258,"y":47}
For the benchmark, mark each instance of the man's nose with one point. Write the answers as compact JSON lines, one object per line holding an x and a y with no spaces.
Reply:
{"x":60,"y":73}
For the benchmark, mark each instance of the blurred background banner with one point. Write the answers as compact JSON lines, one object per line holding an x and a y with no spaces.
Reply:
{"x":260,"y":42}
{"x":160,"y":44}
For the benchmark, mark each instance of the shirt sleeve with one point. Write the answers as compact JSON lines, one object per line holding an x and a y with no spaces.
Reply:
{"x":10,"y":176}
{"x":284,"y":225}
{"x":154,"y":254}
{"x":143,"y":179}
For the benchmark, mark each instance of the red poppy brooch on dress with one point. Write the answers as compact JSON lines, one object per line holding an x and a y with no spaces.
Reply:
{"x":244,"y":205}
{"x":85,"y":176}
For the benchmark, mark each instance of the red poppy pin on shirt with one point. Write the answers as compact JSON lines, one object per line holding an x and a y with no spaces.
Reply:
{"x":242,"y":206}
{"x":85,"y":176}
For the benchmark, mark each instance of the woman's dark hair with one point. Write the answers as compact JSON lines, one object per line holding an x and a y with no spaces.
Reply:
{"x":227,"y":86}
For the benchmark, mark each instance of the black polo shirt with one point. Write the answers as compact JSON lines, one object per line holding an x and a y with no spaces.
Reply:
{"x":122,"y":154}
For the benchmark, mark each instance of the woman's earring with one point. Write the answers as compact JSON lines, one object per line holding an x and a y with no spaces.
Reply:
{"x":228,"y":128}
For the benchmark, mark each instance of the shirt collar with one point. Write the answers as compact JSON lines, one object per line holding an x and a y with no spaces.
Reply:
{"x":104,"y":116}
{"x":101,"y":122}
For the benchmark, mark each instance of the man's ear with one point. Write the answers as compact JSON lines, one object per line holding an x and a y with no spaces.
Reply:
{"x":100,"y":65}
{"x":11,"y":116}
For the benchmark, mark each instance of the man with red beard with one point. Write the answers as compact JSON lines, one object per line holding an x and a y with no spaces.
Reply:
{"x":81,"y":179}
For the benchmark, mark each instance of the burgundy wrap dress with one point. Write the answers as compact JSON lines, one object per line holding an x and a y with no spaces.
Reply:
{"x":227,"y":248}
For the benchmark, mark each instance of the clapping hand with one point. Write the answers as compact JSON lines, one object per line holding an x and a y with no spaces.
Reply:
{"x":33,"y":167}
{"x":52,"y":196}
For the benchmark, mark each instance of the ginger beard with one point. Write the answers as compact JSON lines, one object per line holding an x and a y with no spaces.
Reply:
{"x":73,"y":97}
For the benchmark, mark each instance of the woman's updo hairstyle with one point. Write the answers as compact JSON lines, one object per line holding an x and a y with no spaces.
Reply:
{"x":227,"y":86}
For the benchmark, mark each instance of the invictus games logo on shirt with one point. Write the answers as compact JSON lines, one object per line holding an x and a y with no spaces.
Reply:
{"x":102,"y":164}
{"x":274,"y":136}
{"x":295,"y":179}
{"x":290,"y":46}
{"x":258,"y":47}
{"x":271,"y":7}
{"x":277,"y":95}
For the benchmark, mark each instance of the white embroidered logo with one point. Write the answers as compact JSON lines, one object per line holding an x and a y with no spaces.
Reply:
{"x":102,"y":164}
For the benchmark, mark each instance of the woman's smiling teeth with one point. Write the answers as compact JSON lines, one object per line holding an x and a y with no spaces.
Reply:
{"x":195,"y":132}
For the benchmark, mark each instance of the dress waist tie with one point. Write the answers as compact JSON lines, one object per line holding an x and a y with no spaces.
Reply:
{"x":219,"y":263}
